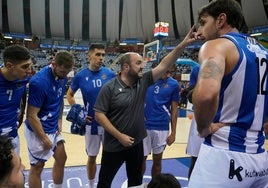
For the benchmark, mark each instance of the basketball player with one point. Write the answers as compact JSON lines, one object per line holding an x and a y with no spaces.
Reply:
{"x":44,"y":119}
{"x":14,"y":75}
{"x":161,"y":112}
{"x":89,"y":81}
{"x":230,"y":101}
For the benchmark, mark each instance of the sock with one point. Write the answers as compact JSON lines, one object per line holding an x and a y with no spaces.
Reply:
{"x":57,"y":185}
{"x":91,"y":183}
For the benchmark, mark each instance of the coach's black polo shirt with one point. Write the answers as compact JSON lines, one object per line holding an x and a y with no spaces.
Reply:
{"x":124,"y":107}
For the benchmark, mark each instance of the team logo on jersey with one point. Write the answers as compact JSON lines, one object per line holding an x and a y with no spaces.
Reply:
{"x":86,"y":78}
{"x":165,"y":85}
{"x":104,"y":76}
{"x":18,"y":85}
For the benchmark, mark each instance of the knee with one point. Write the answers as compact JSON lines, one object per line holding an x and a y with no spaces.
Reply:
{"x":61,"y":158}
{"x":60,"y":154}
{"x":64,"y":157}
{"x":37,"y":168}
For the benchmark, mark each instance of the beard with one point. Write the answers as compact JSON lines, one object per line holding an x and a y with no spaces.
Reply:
{"x":135,"y":75}
{"x":140,"y":74}
{"x":59,"y":75}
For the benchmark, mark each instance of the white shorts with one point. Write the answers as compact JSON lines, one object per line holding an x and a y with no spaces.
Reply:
{"x":194,"y":140}
{"x":36,"y":151}
{"x":155,"y":141}
{"x":93,"y":142}
{"x":222,"y":169}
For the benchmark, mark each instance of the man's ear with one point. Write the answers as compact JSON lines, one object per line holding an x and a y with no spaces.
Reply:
{"x":126,"y":66}
{"x":53,"y":63}
{"x":222,"y":18}
{"x":9,"y":65}
{"x":89,"y":56}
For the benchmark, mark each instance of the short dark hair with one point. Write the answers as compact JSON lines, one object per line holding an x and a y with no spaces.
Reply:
{"x":65,"y":58}
{"x":164,"y":180}
{"x":96,"y":46}
{"x":231,"y":8}
{"x":15,"y":54}
{"x":6,"y":156}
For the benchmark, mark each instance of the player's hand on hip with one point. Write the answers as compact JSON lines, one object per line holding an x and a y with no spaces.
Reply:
{"x":214,"y":127}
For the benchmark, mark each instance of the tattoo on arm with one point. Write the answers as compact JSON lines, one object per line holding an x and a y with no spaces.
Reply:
{"x":211,"y":70}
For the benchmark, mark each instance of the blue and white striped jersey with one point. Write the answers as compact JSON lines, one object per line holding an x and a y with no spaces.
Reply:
{"x":243,"y":99}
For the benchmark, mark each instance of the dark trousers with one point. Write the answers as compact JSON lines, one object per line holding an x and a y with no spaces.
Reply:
{"x":112,"y":161}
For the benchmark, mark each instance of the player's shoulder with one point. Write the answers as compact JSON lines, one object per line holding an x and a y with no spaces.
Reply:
{"x":196,"y":68}
{"x":85,"y":72}
{"x":107,"y":70}
{"x":41,"y":75}
{"x":41,"y":78}
{"x":82,"y":71}
{"x":173,"y":81}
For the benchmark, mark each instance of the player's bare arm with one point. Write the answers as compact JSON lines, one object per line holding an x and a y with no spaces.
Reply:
{"x":173,"y":122}
{"x":70,"y":96}
{"x":206,"y":92}
{"x":36,"y":125}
